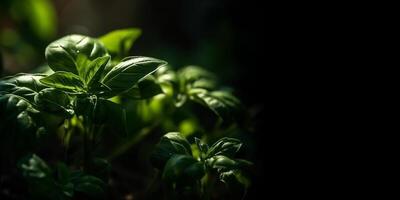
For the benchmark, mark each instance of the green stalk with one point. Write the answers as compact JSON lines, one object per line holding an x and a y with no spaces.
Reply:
{"x":87,"y":137}
{"x":208,"y":185}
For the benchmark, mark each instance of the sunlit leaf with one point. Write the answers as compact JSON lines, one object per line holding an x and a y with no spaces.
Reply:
{"x":63,"y":54}
{"x":128,"y":73}
{"x":225,"y":146}
{"x":119,"y":42}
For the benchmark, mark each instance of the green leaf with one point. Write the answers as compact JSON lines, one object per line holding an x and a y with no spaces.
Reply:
{"x":32,"y":166}
{"x":170,"y":85}
{"x":95,"y":70}
{"x":18,"y":115}
{"x":17,"y":107}
{"x":128,"y":73}
{"x":17,"y":94}
{"x":62,"y":54}
{"x":146,"y":88}
{"x":182,"y":168}
{"x":222,"y":103}
{"x":23,"y":85}
{"x":202,"y":147}
{"x":223,"y":163}
{"x":170,"y":144}
{"x":65,"y":81}
{"x":119,"y":42}
{"x":230,"y":176}
{"x":82,"y":65}
{"x":225,"y":146}
{"x":54,"y":101}
{"x":197,"y":77}
{"x":91,"y":71}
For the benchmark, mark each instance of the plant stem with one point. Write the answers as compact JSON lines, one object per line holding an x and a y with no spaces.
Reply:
{"x":208,"y":185}
{"x":86,"y":143}
{"x":85,"y":150}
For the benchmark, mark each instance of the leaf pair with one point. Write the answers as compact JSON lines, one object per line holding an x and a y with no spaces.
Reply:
{"x":174,"y":150}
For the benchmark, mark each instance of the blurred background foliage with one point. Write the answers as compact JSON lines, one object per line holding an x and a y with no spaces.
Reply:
{"x":223,"y":36}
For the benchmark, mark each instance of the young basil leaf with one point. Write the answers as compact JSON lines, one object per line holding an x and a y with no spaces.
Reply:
{"x":225,"y":146}
{"x":91,"y":71}
{"x":182,"y":168}
{"x":62,"y":54}
{"x":127,"y":73}
{"x":65,"y":81}
{"x":144,"y":89}
{"x":222,"y":103}
{"x":119,"y":42}
{"x":54,"y":101}
{"x":82,"y":62}
{"x":170,"y":144}
{"x":95,"y":70}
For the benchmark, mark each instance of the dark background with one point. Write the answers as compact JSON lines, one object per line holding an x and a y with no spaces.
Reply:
{"x":230,"y":38}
